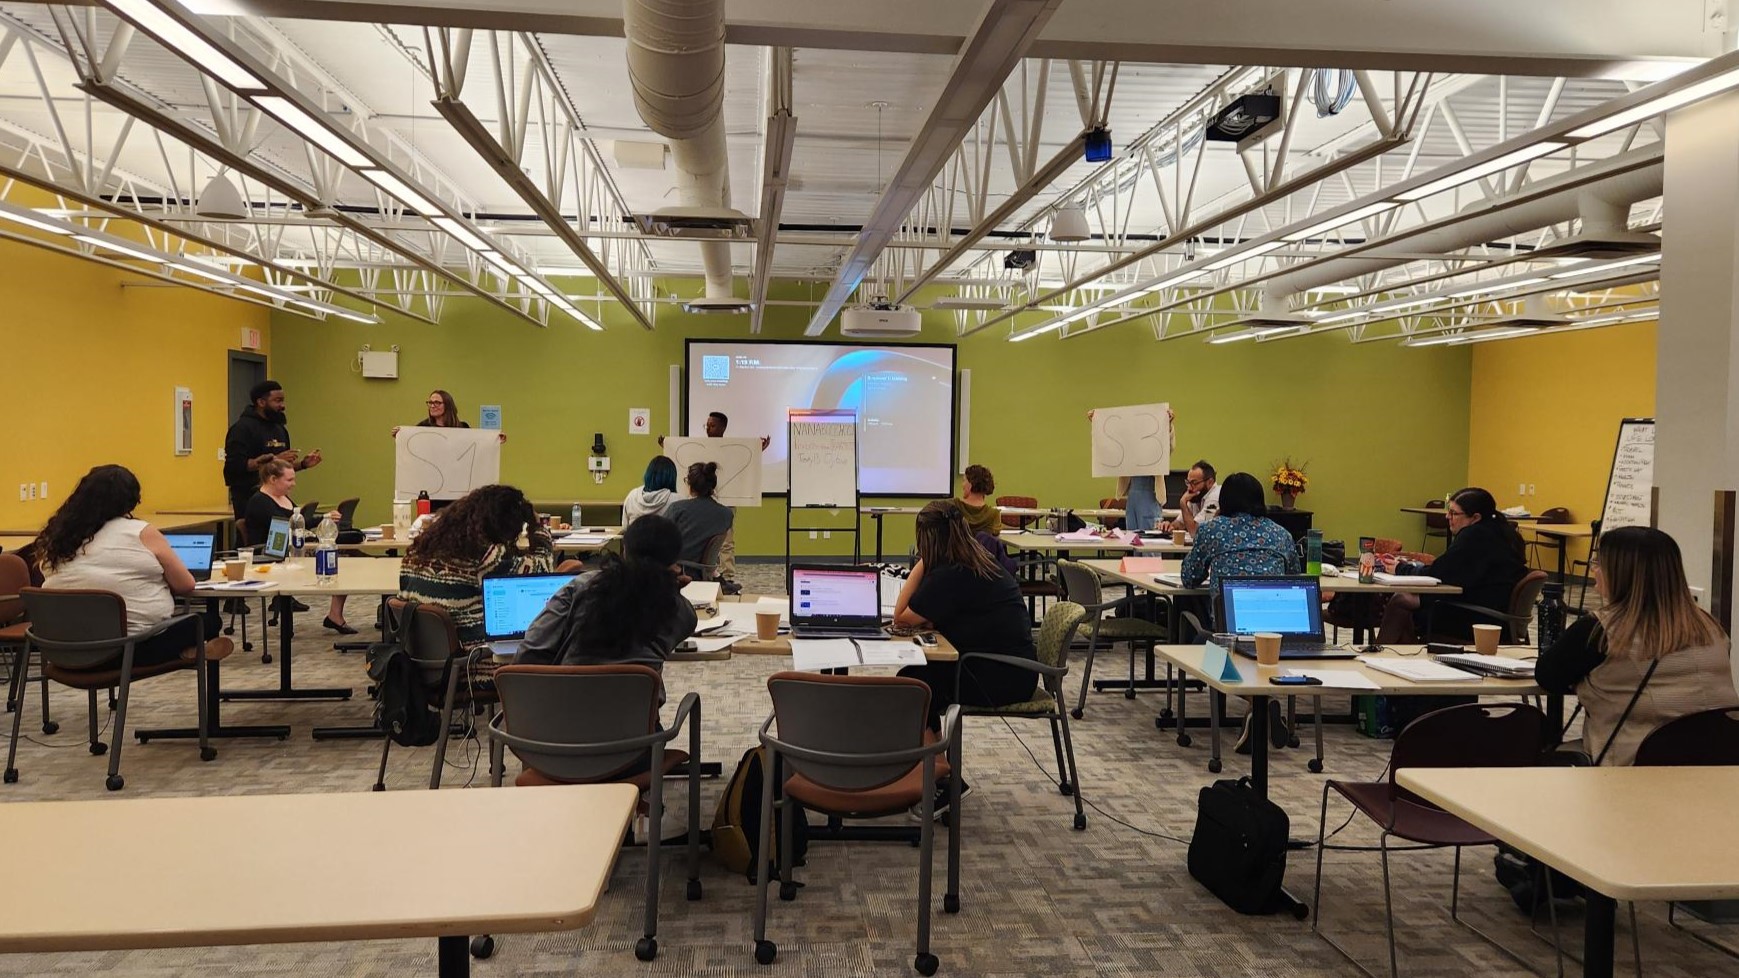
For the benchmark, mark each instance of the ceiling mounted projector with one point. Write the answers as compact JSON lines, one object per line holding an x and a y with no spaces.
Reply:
{"x":1070,"y":224}
{"x":221,"y":199}
{"x":1020,"y":258}
{"x":1246,"y":119}
{"x":880,"y":320}
{"x":711,"y":305}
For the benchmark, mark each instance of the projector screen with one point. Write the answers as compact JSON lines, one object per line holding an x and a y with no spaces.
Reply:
{"x":903,"y":395}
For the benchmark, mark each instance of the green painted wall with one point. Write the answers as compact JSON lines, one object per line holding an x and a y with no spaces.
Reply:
{"x":1242,"y":406}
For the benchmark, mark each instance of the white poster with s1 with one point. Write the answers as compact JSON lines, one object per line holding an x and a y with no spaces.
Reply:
{"x":739,"y":462}
{"x":446,"y":462}
{"x":1132,"y":440}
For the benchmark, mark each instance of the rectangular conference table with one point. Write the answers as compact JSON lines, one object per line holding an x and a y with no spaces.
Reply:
{"x":372,"y":576}
{"x":1563,"y":533}
{"x":1624,"y":833}
{"x":607,"y":536}
{"x":1043,"y":542}
{"x":279,"y":869}
{"x":1253,"y":684}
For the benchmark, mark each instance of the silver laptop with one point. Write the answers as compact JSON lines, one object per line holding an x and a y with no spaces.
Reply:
{"x":1291,"y":606}
{"x":510,"y":604}
{"x":195,"y":550}
{"x":835,"y":601}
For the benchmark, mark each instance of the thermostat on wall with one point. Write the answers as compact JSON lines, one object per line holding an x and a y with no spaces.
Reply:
{"x":380,"y":365}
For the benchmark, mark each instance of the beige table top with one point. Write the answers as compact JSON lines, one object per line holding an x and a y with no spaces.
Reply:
{"x":263,"y":869}
{"x":1108,"y":570}
{"x":1631,"y":833}
{"x":356,"y":575}
{"x":1253,"y":679}
{"x":891,"y":510}
{"x":1048,"y":542}
{"x":375,"y":546}
{"x":10,"y":541}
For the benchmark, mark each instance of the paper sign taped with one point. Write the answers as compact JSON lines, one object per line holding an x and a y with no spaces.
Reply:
{"x":1132,"y":440}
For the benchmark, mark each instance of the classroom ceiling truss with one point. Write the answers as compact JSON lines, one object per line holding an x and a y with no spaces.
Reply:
{"x":393,"y":156}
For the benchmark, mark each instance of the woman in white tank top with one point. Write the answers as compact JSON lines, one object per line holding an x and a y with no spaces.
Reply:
{"x":93,"y":542}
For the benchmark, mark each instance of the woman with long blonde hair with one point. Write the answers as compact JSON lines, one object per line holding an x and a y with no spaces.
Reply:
{"x":1649,"y":655}
{"x":958,"y":589}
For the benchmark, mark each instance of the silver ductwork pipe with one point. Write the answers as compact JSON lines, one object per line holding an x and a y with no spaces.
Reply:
{"x":1603,"y":205}
{"x":676,"y":65}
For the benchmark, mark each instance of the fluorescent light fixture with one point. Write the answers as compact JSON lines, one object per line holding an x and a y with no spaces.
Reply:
{"x":193,"y":269}
{"x":1254,"y":333}
{"x":1655,"y":106}
{"x":1617,"y":317}
{"x":1335,"y":222}
{"x":1504,"y":162}
{"x":540,"y":288}
{"x":466,"y":236}
{"x":1335,"y":288}
{"x":176,"y":36}
{"x":344,"y":313}
{"x":107,"y":245}
{"x":315,"y":131}
{"x":1037,"y":330}
{"x":1241,"y":256}
{"x":501,"y":262}
{"x":390,"y":183}
{"x":39,"y":223}
{"x":1471,"y":335}
{"x":1494,"y":286}
{"x":1341,"y":317}
{"x":1400,"y":304}
{"x":1579,"y":271}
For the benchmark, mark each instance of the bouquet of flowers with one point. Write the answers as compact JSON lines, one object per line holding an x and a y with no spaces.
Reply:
{"x":1289,"y":478}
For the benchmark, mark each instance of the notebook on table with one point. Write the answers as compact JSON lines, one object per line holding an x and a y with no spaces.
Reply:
{"x":835,"y":601}
{"x":196,"y":551}
{"x":1290,"y":606}
{"x":510,"y":604}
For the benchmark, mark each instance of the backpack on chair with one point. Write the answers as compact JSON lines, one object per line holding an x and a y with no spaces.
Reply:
{"x":405,"y":710}
{"x":736,"y":828}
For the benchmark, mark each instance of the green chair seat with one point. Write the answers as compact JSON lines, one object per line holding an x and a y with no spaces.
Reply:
{"x":1130,"y":629}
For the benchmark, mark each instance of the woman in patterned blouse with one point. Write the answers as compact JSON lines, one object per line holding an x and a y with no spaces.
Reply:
{"x":1241,"y":542}
{"x":474,"y":538}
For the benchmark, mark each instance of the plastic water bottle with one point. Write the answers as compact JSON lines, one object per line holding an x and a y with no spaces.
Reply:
{"x":423,"y":503}
{"x":326,"y":557}
{"x":298,"y":533}
{"x":1313,"y":553}
{"x":574,"y":521}
{"x":1549,"y":615}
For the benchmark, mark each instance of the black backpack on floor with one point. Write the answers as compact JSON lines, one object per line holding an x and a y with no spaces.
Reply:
{"x":406,"y":710}
{"x":1239,"y":848}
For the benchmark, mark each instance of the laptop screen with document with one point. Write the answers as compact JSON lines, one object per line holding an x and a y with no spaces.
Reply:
{"x":195,"y":551}
{"x":1291,"y":606}
{"x":835,"y":595}
{"x":510,"y":604}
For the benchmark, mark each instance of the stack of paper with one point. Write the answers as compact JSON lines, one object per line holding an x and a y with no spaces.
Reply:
{"x":815,"y":654}
{"x":1408,"y":580}
{"x":1417,"y":670}
{"x":702,"y":594}
{"x":1079,"y":536}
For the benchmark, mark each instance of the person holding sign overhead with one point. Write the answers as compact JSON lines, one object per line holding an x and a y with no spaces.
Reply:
{"x":1141,"y":507}
{"x":443,"y":413}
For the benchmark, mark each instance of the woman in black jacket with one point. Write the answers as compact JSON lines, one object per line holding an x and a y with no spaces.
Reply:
{"x":1485,"y":559}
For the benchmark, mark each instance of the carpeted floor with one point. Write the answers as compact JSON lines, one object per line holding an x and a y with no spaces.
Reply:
{"x":1038,"y":898}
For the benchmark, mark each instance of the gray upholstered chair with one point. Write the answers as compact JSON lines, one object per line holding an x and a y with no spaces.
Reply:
{"x":82,"y":638}
{"x":857,"y":747}
{"x":1082,"y":586}
{"x":599,"y":724}
{"x":707,"y":567}
{"x":1056,"y":634}
{"x":433,"y":643}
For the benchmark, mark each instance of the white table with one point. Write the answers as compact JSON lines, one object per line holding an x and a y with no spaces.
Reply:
{"x":276,"y":869}
{"x":1624,"y":833}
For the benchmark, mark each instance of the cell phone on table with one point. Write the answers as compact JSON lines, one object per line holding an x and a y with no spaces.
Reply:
{"x":925,"y":638}
{"x":1294,"y":681}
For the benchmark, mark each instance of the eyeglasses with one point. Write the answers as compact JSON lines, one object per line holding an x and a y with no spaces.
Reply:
{"x":435,"y":400}
{"x":1192,"y":483}
{"x":1456,"y":514}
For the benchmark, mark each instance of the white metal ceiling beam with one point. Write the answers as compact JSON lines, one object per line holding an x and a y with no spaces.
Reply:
{"x":775,"y":176}
{"x":1005,"y":30}
{"x":1576,"y":38}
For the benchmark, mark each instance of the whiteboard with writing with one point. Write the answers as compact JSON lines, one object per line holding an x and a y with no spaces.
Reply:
{"x":739,"y":461}
{"x":1132,"y":440}
{"x":1629,"y":496}
{"x":823,"y":458}
{"x":446,"y":462}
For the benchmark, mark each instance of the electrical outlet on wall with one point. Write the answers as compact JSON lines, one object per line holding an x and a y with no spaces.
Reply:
{"x":1530,"y":489}
{"x":31,"y":488}
{"x":24,"y":492}
{"x":45,"y":490}
{"x":1521,"y":488}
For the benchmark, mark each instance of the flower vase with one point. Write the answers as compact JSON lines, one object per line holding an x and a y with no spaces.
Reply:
{"x":1288,"y":500}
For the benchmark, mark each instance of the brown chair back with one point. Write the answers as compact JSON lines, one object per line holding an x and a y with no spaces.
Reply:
{"x":433,"y":639}
{"x":849,"y":715}
{"x":1522,"y":600}
{"x":1434,"y":521}
{"x":14,"y":578}
{"x":1557,"y":514}
{"x":572,"y":705}
{"x":1470,"y":735}
{"x":1709,"y":738}
{"x":1020,"y":502}
{"x":73,"y":617}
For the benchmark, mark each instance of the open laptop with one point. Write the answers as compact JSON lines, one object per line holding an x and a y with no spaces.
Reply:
{"x":835,"y":601}
{"x":196,"y":550}
{"x":1291,"y":606}
{"x":511,"y":603}
{"x":277,"y":545}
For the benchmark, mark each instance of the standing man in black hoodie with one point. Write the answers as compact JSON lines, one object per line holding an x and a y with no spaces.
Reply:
{"x":257,"y":437}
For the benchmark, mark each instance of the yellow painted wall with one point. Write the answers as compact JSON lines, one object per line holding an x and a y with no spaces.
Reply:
{"x":1545,"y":411}
{"x":92,"y":358}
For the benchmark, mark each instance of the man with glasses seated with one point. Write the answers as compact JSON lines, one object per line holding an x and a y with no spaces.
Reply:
{"x":1201,"y":500}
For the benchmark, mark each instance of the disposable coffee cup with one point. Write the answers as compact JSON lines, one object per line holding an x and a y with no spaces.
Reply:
{"x":235,"y":569}
{"x":388,"y":531}
{"x":1485,"y":638}
{"x":1180,"y":537}
{"x":1267,"y":648}
{"x":767,"y":625}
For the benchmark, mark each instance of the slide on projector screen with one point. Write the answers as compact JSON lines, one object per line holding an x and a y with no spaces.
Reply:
{"x":903,"y":396}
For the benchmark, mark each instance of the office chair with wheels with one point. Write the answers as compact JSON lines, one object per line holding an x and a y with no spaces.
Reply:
{"x":596,"y":725}
{"x":433,"y":643}
{"x":14,"y":623}
{"x":346,"y":512}
{"x":857,"y":747}
{"x":1515,"y":619}
{"x":1473,"y":735}
{"x":1081,"y":586}
{"x":1018,"y":502}
{"x":84,"y":643}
